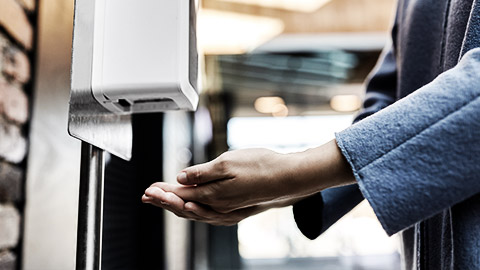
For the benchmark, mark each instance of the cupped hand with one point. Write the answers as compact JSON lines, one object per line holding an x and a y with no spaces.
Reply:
{"x":236,"y":180}
{"x":203,"y":213}
{"x":245,"y":180}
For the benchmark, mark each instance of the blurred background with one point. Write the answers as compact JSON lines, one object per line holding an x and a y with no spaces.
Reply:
{"x":280,"y":74}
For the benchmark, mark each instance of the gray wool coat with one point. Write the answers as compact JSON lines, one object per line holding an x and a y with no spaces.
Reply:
{"x":415,"y":146}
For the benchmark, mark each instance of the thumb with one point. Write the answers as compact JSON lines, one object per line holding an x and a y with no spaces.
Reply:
{"x":202,"y":173}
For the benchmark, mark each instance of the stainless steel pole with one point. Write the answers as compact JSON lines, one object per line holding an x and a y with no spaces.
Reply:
{"x":90,"y":208}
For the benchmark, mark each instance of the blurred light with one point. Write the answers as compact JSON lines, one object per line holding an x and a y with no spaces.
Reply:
{"x":268,"y":104}
{"x":345,"y":103}
{"x":221,"y":32}
{"x":291,"y":5}
{"x":280,"y":110}
{"x":184,"y":156}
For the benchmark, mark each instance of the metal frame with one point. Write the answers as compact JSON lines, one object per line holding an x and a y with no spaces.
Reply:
{"x":90,"y":209}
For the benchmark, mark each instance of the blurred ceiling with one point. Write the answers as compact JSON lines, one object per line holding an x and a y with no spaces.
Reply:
{"x":239,"y":26}
{"x":306,"y":81}
{"x":306,"y":52}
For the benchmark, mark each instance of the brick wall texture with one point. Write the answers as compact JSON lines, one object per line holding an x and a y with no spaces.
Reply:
{"x":17,"y":21}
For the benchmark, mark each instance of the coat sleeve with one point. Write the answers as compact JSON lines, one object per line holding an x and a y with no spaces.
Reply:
{"x":316,"y":214}
{"x":422,"y":154}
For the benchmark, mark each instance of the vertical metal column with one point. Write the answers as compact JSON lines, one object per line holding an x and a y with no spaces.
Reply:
{"x":90,"y":208}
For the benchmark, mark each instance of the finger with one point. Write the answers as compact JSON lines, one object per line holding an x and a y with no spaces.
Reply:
{"x":203,"y":173}
{"x":146,"y":199}
{"x":158,"y":196}
{"x":181,"y":213}
{"x":187,"y":193}
{"x":202,"y":211}
{"x":208,"y":215}
{"x":213,"y":217}
{"x":170,"y":202}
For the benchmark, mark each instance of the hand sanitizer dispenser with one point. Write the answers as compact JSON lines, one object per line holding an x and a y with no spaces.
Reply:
{"x":144,"y":55}
{"x":130,"y":56}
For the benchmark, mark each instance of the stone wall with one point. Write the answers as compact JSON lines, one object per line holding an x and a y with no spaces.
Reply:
{"x":17,"y":18}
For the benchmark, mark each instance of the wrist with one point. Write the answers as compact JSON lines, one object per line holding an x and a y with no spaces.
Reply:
{"x":319,"y":168}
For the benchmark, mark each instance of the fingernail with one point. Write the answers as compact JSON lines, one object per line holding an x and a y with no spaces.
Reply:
{"x":146,"y":199}
{"x":182,"y":177}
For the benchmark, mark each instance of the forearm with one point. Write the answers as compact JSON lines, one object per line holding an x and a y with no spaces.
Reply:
{"x":317,"y":169}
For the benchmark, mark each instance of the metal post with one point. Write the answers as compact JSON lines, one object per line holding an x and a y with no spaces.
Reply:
{"x":90,"y":209}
